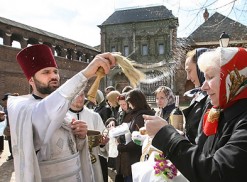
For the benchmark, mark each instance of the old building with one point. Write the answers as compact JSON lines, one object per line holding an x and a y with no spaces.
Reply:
{"x":147,"y":36}
{"x":208,"y":34}
{"x":71,"y":56}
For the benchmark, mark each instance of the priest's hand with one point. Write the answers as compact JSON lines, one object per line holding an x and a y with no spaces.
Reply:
{"x":104,"y":140}
{"x":153,"y":124}
{"x":79,"y":128}
{"x":104,"y":60}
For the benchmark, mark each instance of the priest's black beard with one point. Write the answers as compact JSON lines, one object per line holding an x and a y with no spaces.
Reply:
{"x":42,"y":89}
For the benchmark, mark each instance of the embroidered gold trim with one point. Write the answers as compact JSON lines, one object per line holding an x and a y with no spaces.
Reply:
{"x":213,"y":115}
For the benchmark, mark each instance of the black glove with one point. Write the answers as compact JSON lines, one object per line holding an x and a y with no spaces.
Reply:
{"x":121,"y":139}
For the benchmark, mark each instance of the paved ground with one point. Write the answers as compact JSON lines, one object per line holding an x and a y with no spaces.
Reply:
{"x":6,"y":168}
{"x":7,"y":173}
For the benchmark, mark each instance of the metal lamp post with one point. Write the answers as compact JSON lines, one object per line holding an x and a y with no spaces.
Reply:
{"x":224,"y":39}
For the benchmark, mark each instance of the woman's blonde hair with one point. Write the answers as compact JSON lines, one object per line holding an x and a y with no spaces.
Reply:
{"x":192,"y":54}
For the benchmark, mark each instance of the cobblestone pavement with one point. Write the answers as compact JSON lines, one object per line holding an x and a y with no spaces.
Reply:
{"x":6,"y":167}
{"x":7,"y":173}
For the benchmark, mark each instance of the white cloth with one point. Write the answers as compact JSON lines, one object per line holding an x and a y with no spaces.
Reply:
{"x":147,"y":173}
{"x":94,"y":122}
{"x":33,"y":124}
{"x":113,"y":152}
{"x":119,"y":130}
{"x":3,"y":124}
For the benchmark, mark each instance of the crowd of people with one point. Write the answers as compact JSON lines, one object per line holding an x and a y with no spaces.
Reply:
{"x":49,"y":128}
{"x":4,"y":125}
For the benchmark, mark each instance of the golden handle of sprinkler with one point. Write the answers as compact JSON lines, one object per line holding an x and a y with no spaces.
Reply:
{"x":91,"y":95}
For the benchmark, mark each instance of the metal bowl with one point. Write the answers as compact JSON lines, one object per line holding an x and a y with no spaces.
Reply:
{"x":94,"y":138}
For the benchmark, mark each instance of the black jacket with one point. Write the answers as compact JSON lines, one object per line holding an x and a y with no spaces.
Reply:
{"x":193,"y":115}
{"x":220,"y":157}
{"x":104,"y":111}
{"x":166,"y":112}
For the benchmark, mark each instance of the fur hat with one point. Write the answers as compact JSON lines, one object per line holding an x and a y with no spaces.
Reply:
{"x":34,"y":58}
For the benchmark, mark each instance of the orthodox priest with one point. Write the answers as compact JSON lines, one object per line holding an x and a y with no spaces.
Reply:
{"x":46,"y":147}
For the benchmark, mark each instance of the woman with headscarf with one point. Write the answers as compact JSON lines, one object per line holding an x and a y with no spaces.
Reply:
{"x":165,"y":101}
{"x":200,"y":103}
{"x":222,"y":156}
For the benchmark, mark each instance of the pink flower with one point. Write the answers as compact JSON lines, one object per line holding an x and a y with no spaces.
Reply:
{"x":164,"y":167}
{"x":157,"y":171}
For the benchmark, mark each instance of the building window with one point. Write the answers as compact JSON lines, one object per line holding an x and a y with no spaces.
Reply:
{"x":1,"y":41}
{"x":145,"y":50}
{"x":161,"y":49}
{"x":126,"y":50}
{"x":16,"y":44}
{"x":113,"y":49}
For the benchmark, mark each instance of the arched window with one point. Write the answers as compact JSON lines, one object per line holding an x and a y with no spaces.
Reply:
{"x":16,"y":44}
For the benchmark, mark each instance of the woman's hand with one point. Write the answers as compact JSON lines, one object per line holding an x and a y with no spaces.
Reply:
{"x":79,"y":128}
{"x":111,"y":125}
{"x":153,"y":124}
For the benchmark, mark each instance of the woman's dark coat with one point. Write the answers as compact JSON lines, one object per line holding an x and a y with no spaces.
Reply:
{"x":104,"y":111}
{"x":131,"y":153}
{"x":193,"y":115}
{"x":217,"y":158}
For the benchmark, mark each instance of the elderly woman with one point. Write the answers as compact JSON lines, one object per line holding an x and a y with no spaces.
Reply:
{"x":222,"y":155}
{"x":200,"y":103}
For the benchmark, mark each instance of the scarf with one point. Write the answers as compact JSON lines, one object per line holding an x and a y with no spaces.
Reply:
{"x":233,"y":85}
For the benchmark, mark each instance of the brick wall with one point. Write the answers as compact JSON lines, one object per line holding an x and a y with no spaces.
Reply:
{"x":12,"y":78}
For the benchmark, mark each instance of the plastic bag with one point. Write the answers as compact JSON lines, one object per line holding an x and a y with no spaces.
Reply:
{"x":119,"y":130}
{"x":113,"y":152}
{"x":147,"y":172}
{"x":138,"y":138}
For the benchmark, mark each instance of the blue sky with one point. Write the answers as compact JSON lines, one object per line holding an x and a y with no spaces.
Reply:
{"x":78,"y":19}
